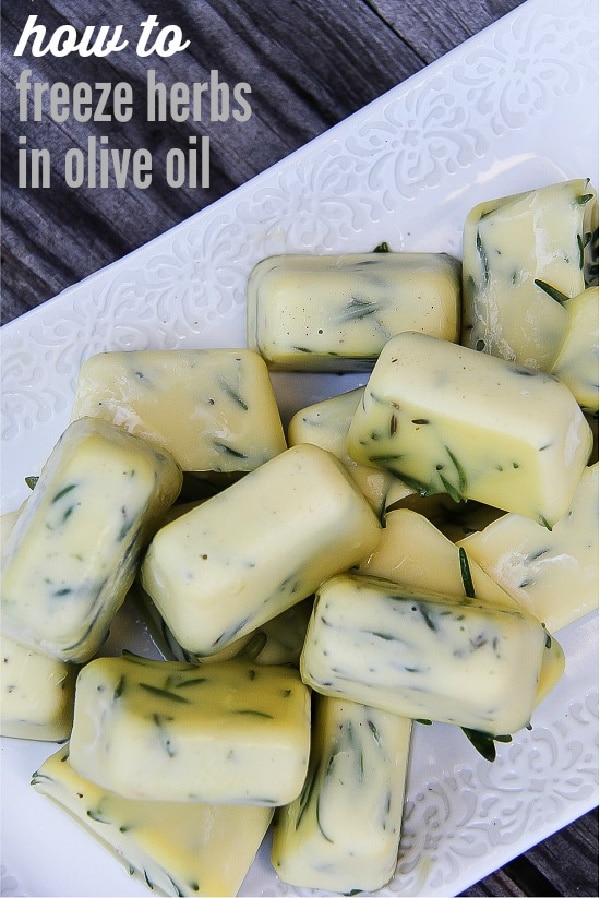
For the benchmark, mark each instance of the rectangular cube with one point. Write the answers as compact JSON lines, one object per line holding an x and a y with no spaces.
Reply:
{"x":37,"y":690}
{"x":445,"y":418}
{"x":37,"y":694}
{"x":424,"y":656}
{"x":522,"y":256}
{"x":211,"y":409}
{"x":172,"y":848}
{"x":576,"y":364}
{"x":326,"y":424}
{"x":231,"y":733}
{"x":73,"y":552}
{"x":342,"y":833}
{"x":554,"y":576}
{"x":335,"y":313}
{"x":259,"y":547}
{"x":414,"y":553}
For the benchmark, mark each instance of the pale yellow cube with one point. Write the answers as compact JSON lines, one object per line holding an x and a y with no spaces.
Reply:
{"x":211,"y":409}
{"x":257,"y":548}
{"x":231,"y":733}
{"x":553,"y":575}
{"x":445,"y":418}
{"x":423,"y":655}
{"x":73,"y":551}
{"x":173,"y":848}
{"x":335,"y":312}
{"x":577,"y":362}
{"x":523,"y":255}
{"x":37,"y":694}
{"x":342,"y":833}
{"x":413,"y":552}
{"x":326,"y":424}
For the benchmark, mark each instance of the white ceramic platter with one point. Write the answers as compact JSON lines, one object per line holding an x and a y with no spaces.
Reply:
{"x":513,"y":108}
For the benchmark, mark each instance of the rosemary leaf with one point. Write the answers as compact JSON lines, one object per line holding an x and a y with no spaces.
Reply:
{"x":319,"y":824}
{"x":96,"y":814}
{"x":193,"y":682}
{"x":164,"y":693}
{"x":417,"y":485}
{"x":232,"y":394}
{"x":426,"y":617}
{"x":358,"y":309}
{"x":465,"y":573}
{"x":119,"y":687}
{"x":163,"y":734}
{"x":462,"y":475}
{"x":485,"y":743}
{"x":305,"y":795}
{"x":552,"y":292}
{"x":582,"y":242}
{"x":63,"y":492}
{"x":254,"y":646}
{"x":485,"y":264}
{"x":228,"y":450}
{"x":451,"y":489}
{"x":374,"y":731}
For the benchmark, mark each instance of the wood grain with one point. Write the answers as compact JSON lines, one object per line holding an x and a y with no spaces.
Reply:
{"x":310,"y":65}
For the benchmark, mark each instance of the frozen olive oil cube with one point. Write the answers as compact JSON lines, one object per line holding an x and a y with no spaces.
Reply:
{"x":259,"y":547}
{"x":173,"y":848}
{"x":523,"y":255}
{"x":276,"y":641}
{"x":326,"y":424}
{"x":72,"y":554}
{"x":37,"y":690}
{"x":37,"y":694}
{"x":335,"y":313}
{"x":342,"y":833}
{"x":577,"y":362}
{"x":231,"y":733}
{"x":424,"y":656}
{"x":413,"y":552}
{"x":445,"y":418}
{"x":553,"y":575}
{"x":212,"y":409}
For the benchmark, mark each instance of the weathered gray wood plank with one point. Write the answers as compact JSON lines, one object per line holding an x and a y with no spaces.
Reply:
{"x":435,"y":28}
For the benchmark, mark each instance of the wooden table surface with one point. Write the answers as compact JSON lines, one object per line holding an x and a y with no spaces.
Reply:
{"x":310,"y":64}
